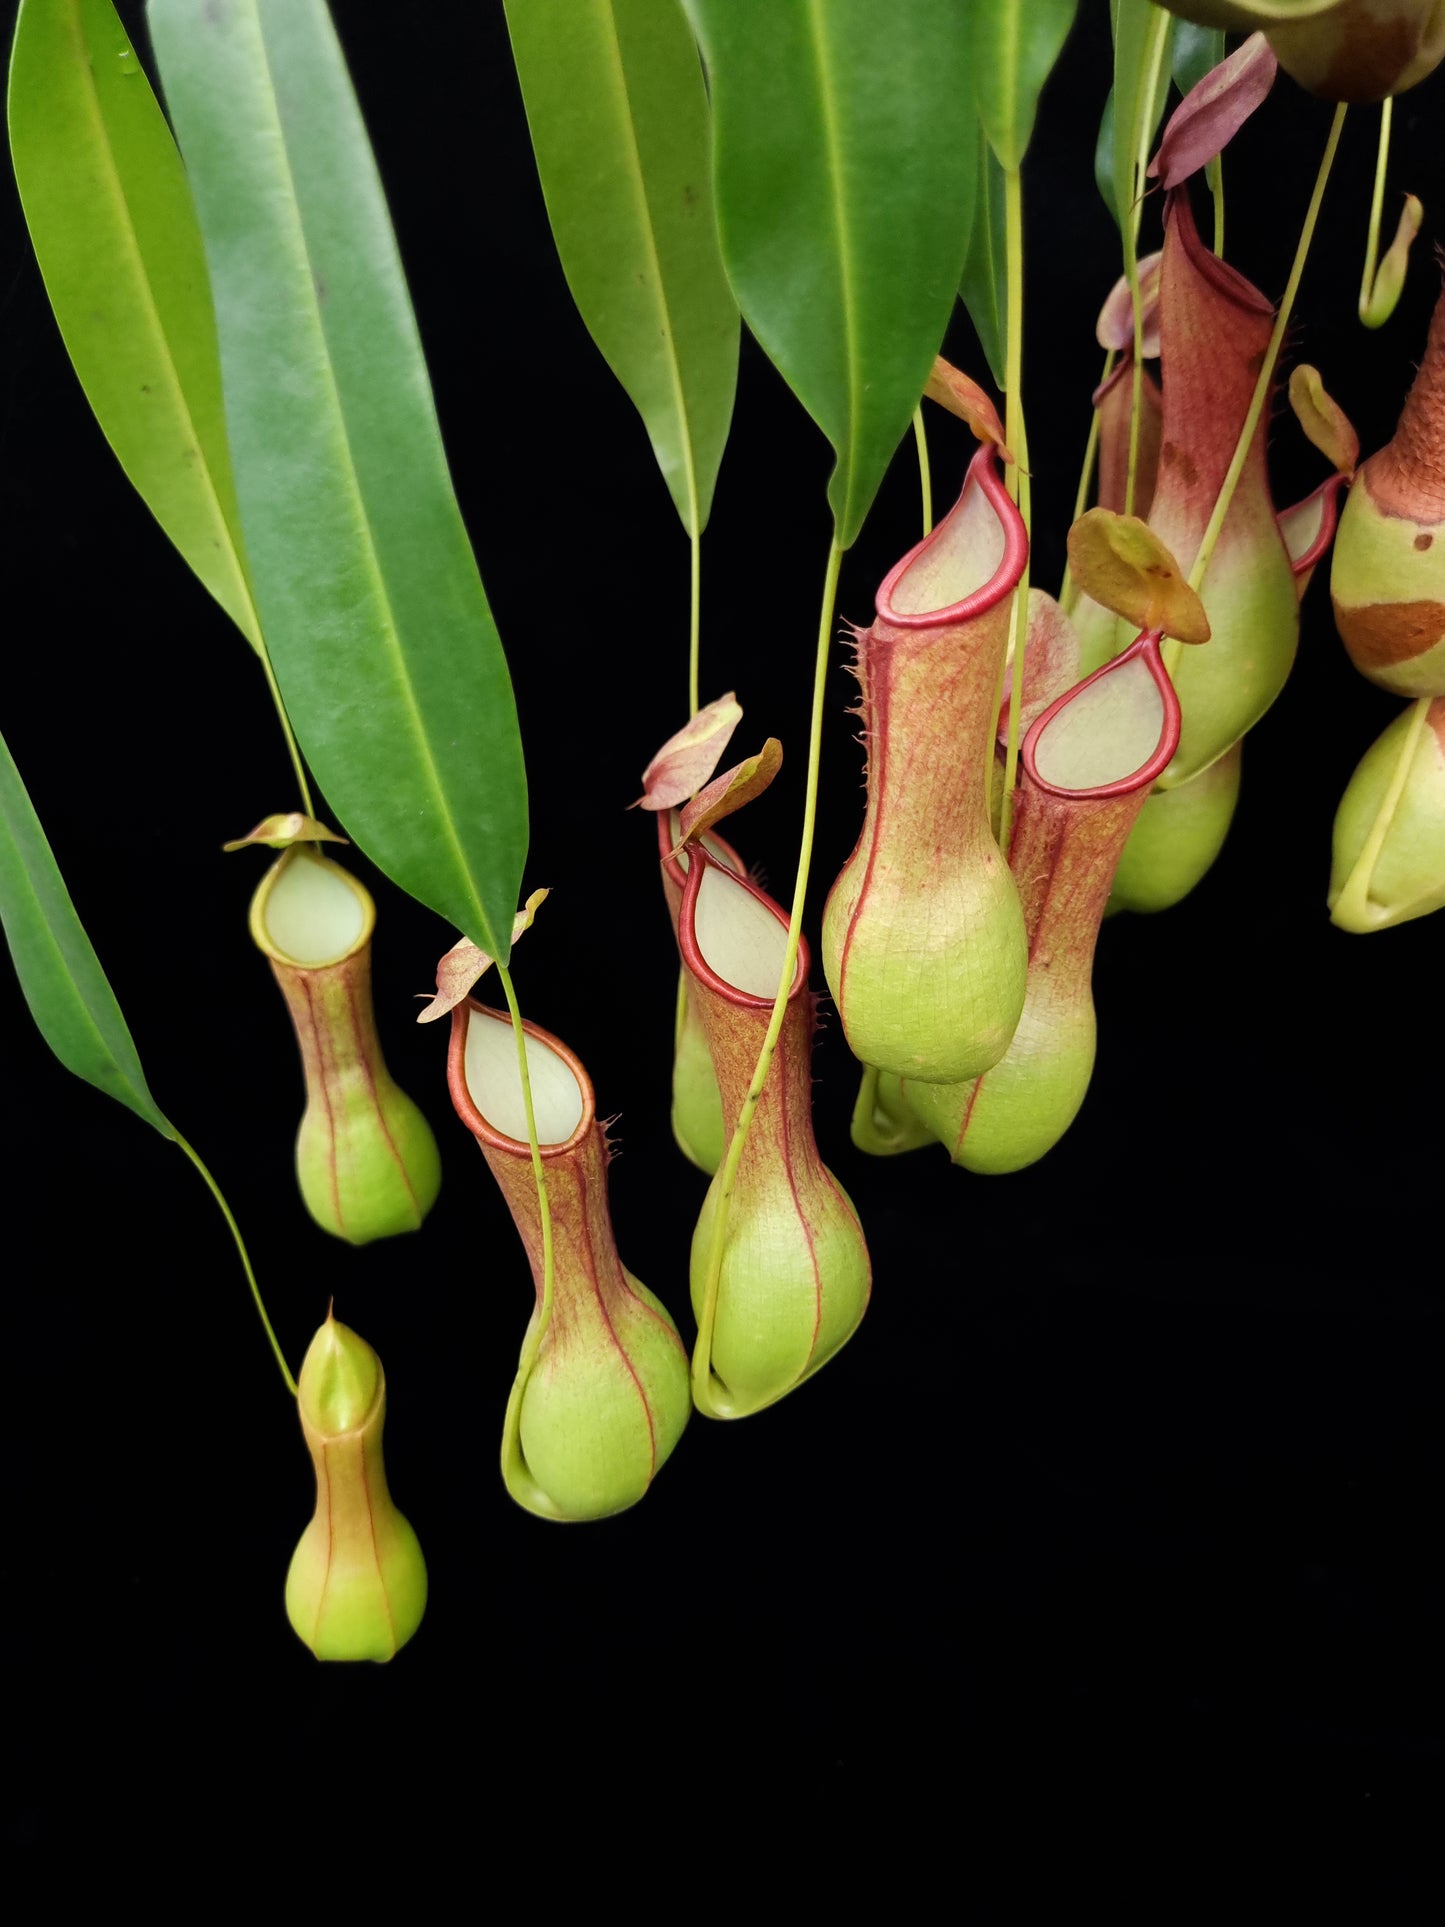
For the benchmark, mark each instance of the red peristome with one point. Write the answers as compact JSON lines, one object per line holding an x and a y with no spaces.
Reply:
{"x":674,"y":876}
{"x":1051,"y":663}
{"x":1328,"y":496}
{"x":589,"y":1279}
{"x":486,"y":1133}
{"x":703,"y":971}
{"x":1144,"y":648}
{"x":982,"y":472}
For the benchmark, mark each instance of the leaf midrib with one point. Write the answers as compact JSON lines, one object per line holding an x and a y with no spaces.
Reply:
{"x":145,"y":1106}
{"x":131,"y":242}
{"x":390,"y":629}
{"x":847,"y":458}
{"x":1012,"y":65}
{"x":674,"y":366}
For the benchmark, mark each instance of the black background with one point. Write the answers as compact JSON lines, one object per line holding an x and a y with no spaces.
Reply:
{"x":1133,"y":1474}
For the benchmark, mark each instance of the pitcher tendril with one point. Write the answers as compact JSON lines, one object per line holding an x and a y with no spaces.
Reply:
{"x":925,"y":477}
{"x":1017,"y":478}
{"x":245,"y":1257}
{"x":1377,"y":208}
{"x":537,"y":1330}
{"x":702,"y":1357}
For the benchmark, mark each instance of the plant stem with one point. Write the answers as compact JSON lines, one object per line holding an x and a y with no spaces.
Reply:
{"x":925,"y":478}
{"x":1143,"y":135}
{"x":245,"y":1257}
{"x":1020,"y":626}
{"x":679,"y":1015}
{"x":1377,"y":207}
{"x":537,"y":1329}
{"x":1357,"y":884}
{"x":251,"y":630}
{"x":1067,"y":594}
{"x":295,"y":754}
{"x":728,"y":1172}
{"x":1136,"y":389}
{"x":1214,"y":174}
{"x":1017,"y":477}
{"x":1172,"y":646}
{"x":867,"y":1099}
{"x":694,"y":631}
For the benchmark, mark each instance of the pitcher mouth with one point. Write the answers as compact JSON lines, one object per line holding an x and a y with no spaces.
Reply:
{"x":1324,"y":503}
{"x":309,"y":913}
{"x":676,"y":865}
{"x":985,"y":477}
{"x":1143,"y":651}
{"x":693,"y":949}
{"x":470,"y":1112}
{"x":1225,"y":279}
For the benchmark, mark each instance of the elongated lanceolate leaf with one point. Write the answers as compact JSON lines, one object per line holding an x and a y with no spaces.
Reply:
{"x":1196,"y":52}
{"x":1016,"y":43}
{"x":844,"y":167}
{"x":1104,"y":156}
{"x":619,"y":118}
{"x":983,"y":285}
{"x":59,"y":972}
{"x":369,"y":596}
{"x":1141,"y":87}
{"x":115,"y":233}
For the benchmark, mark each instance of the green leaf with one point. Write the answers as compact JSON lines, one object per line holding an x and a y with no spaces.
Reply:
{"x":1016,"y":43}
{"x":1104,"y":157}
{"x":115,"y":233}
{"x":984,"y":283}
{"x":1197,"y":52}
{"x":1141,"y":88}
{"x":59,"y":972}
{"x":844,"y":167}
{"x":619,"y":119}
{"x":368,"y":591}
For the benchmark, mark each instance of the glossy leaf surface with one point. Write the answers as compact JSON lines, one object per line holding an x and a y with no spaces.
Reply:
{"x":1015,"y":47}
{"x":369,"y":596}
{"x":115,"y":234}
{"x":1141,"y":87}
{"x":1197,"y":51}
{"x":619,"y":121}
{"x":844,"y":167}
{"x":60,"y":974}
{"x":983,"y":285}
